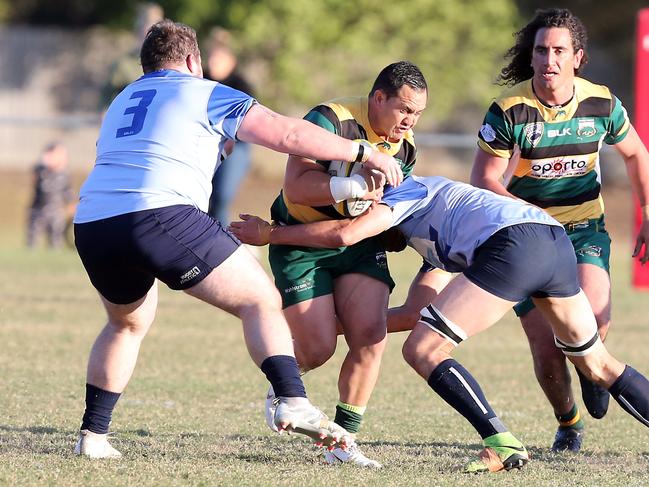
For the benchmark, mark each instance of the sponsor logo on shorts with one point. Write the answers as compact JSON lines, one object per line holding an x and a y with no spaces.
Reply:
{"x":381,"y":260}
{"x":304,"y":285}
{"x":591,"y":251}
{"x":189,"y":275}
{"x":558,"y":168}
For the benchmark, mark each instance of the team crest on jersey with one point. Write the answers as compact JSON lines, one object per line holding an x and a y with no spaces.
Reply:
{"x":533,"y":133}
{"x":488,"y":133}
{"x":586,"y":127}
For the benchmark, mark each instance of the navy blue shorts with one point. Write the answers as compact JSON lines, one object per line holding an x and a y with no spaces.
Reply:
{"x":526,"y":260}
{"x":179,"y":245}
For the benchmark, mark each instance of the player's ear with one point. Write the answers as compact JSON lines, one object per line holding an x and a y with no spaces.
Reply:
{"x":194,"y":64}
{"x":379,"y":96}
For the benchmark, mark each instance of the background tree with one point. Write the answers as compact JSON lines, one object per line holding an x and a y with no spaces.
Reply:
{"x":300,"y":52}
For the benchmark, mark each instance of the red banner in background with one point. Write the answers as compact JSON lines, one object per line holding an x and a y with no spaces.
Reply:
{"x":641,"y":273}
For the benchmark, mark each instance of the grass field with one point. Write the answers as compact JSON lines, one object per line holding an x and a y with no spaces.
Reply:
{"x":192,"y":414}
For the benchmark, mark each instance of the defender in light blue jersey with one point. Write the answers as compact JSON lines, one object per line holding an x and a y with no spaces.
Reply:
{"x":142,"y":218}
{"x":505,"y":250}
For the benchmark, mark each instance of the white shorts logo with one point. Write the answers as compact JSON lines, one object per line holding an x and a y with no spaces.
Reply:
{"x":305,"y":285}
{"x":189,"y":275}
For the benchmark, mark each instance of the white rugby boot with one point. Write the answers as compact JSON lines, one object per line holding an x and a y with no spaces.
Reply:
{"x":95,"y":445}
{"x":353,"y":455}
{"x":298,"y":415}
{"x":269,"y":408}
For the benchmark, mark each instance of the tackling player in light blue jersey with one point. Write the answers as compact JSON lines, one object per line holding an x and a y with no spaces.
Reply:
{"x":160,"y":143}
{"x":506,"y":250}
{"x":446,"y":221}
{"x":142,"y":218}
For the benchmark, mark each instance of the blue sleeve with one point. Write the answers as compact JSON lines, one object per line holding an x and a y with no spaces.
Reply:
{"x":405,"y":199}
{"x":226,"y":109}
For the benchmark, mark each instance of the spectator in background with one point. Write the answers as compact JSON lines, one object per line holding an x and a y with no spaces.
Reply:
{"x":127,"y":68}
{"x":53,"y":201}
{"x":222,"y":67}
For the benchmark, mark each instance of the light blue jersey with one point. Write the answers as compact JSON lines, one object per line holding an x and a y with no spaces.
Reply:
{"x":160,"y":144}
{"x":445,"y":221}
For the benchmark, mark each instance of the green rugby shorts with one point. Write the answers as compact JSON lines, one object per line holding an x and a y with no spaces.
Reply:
{"x":303,"y":273}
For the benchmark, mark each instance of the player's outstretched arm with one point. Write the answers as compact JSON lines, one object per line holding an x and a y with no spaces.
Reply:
{"x":636,"y":159}
{"x":289,"y":135}
{"x":325,"y":234}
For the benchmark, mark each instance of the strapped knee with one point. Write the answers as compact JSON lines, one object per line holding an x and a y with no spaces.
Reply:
{"x":436,"y":321}
{"x":578,"y":349}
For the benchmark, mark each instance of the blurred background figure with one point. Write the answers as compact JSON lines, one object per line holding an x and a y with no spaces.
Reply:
{"x":53,"y":202}
{"x":127,"y":68}
{"x":222,"y":67}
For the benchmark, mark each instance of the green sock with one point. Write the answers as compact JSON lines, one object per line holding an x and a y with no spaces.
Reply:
{"x":502,"y":439}
{"x":572,"y":419}
{"x":349,"y":416}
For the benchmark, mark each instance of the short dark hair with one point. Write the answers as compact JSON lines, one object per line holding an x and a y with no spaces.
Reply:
{"x":167,"y":42}
{"x":520,"y":69}
{"x":393,"y":77}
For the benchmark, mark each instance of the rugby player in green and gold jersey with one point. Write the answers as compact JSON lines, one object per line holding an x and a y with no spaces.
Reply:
{"x":348,"y":284}
{"x":540,"y":142}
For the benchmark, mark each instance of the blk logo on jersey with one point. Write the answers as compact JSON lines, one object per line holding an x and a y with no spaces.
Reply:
{"x":552,"y":133}
{"x":558,"y":168}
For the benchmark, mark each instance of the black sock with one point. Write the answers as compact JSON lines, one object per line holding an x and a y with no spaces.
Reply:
{"x":99,"y":409}
{"x":284,"y":375}
{"x":631,"y":391}
{"x":460,"y":390}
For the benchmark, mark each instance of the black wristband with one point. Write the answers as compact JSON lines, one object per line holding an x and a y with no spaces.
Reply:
{"x":360,"y":153}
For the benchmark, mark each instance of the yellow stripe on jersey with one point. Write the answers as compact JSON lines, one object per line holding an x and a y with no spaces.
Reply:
{"x":505,"y":154}
{"x":523,"y":93}
{"x":584,"y":211}
{"x":303,"y":213}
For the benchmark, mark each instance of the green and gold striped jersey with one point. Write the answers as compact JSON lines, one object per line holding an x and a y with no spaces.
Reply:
{"x":348,"y":118}
{"x":558,"y":167}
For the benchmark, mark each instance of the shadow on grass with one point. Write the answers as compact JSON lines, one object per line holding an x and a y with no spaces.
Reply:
{"x":265,"y":449}
{"x":35,"y":430}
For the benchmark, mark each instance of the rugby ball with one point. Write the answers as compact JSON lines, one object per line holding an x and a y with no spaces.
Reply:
{"x":354,"y":206}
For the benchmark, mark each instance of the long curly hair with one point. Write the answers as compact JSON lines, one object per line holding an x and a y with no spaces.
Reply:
{"x":519,"y":68}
